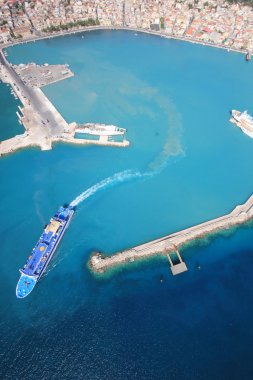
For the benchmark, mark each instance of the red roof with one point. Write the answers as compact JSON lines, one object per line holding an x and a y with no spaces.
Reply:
{"x":190,"y":31}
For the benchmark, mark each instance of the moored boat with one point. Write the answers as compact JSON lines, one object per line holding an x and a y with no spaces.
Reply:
{"x":43,"y":251}
{"x":100,"y":129}
{"x":244,"y":121}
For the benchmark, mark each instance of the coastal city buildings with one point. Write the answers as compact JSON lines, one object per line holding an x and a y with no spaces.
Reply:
{"x":213,"y":21}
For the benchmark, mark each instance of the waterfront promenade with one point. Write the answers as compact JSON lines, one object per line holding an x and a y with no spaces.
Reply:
{"x":170,"y":243}
{"x":160,"y":33}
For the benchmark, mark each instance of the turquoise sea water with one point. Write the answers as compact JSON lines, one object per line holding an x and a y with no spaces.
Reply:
{"x":9,"y":125}
{"x":188,"y":164}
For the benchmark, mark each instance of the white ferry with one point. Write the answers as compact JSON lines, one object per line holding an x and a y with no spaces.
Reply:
{"x":100,"y":129}
{"x":244,"y":121}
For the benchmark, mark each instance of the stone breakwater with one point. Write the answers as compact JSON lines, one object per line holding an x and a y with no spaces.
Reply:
{"x":240,"y":215}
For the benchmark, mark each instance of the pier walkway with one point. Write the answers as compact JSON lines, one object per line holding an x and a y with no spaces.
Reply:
{"x":43,"y":124}
{"x":163,"y":246}
{"x":177,"y":268}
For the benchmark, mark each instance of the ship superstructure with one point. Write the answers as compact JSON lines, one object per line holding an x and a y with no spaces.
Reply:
{"x":43,"y":251}
{"x":100,"y":129}
{"x":244,"y":121}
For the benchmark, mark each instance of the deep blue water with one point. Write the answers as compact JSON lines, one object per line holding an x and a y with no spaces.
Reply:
{"x":174,"y":99}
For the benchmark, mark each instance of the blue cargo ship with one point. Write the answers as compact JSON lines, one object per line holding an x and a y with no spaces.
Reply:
{"x":43,"y":251}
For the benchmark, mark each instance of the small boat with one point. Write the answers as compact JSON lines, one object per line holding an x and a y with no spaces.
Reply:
{"x":248,"y":56}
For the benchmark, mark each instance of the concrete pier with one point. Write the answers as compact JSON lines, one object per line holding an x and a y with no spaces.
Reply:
{"x":165,"y":245}
{"x":177,"y":268}
{"x":42,"y":75}
{"x":43,"y":124}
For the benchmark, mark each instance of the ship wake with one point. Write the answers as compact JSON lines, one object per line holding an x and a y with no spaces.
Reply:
{"x":118,"y":178}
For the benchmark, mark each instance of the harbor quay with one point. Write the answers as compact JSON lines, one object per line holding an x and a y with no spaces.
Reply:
{"x":170,"y":244}
{"x":43,"y":124}
{"x":41,"y":75}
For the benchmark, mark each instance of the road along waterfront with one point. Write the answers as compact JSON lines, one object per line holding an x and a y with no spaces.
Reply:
{"x":137,"y":30}
{"x":43,"y":123}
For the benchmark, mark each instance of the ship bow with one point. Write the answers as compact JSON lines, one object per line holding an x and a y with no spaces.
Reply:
{"x":25,"y":285}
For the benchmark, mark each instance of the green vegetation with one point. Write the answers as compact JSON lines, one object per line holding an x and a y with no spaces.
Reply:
{"x":17,"y":36}
{"x":242,"y":2}
{"x":11,"y":33}
{"x":162,"y":22}
{"x":70,"y":25}
{"x":3,"y":22}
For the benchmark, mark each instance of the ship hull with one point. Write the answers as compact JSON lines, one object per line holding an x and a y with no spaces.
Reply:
{"x":246,"y":131}
{"x":25,"y":285}
{"x":43,"y":252}
{"x":56,"y":245}
{"x":100,"y":132}
{"x":243,"y":121}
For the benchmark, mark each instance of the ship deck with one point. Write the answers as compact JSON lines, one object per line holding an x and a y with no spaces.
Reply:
{"x":25,"y":285}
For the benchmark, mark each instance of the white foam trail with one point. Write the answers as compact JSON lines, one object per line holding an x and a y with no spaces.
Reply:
{"x":108,"y":182}
{"x":171,"y":149}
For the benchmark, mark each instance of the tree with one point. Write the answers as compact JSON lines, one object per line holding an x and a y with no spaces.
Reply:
{"x":162,"y":22}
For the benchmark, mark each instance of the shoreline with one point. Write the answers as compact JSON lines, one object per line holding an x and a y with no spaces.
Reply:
{"x":97,"y":262}
{"x":17,"y":142}
{"x":136,"y":30}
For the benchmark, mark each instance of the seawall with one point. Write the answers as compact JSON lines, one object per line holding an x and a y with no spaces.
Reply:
{"x":240,"y":215}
